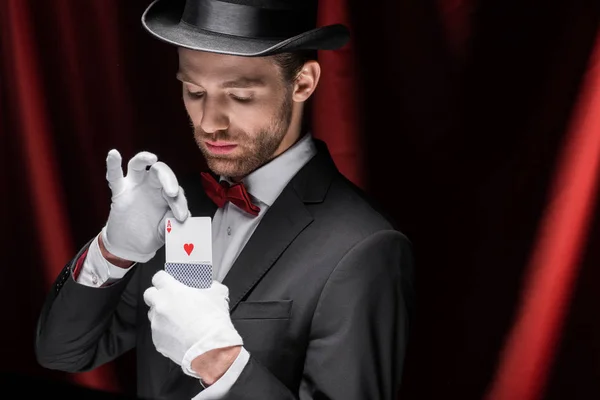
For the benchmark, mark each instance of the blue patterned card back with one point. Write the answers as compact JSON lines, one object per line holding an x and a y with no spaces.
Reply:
{"x":193,"y":275}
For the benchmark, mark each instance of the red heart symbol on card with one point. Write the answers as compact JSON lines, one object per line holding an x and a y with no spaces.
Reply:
{"x":169,"y":230}
{"x":188,"y":247}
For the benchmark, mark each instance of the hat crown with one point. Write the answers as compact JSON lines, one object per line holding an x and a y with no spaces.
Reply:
{"x":251,"y":18}
{"x":274,"y":4}
{"x":242,"y":27}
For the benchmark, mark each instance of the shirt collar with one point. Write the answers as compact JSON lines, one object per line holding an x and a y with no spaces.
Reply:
{"x":267,"y":182}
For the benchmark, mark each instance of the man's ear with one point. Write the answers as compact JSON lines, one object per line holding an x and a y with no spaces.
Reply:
{"x":307,"y":81}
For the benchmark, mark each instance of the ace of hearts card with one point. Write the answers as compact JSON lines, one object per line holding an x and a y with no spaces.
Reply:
{"x":188,"y":250}
{"x":188,"y":241}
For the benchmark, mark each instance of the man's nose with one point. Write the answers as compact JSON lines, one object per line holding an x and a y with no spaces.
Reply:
{"x":214,"y":118}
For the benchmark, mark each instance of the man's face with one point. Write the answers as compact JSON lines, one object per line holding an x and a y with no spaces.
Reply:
{"x":240,"y":109}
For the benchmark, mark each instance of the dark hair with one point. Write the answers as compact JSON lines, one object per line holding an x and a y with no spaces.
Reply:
{"x":291,"y":63}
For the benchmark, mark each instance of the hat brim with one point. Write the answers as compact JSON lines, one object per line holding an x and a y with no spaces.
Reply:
{"x":162,"y":20}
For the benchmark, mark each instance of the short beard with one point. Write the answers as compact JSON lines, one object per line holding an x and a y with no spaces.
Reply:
{"x":257,"y":150}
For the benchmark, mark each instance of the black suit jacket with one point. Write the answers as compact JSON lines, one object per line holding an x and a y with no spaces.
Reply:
{"x":321,"y":296}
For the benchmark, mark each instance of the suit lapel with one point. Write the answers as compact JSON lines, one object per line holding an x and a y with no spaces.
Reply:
{"x":281,"y":224}
{"x":284,"y":220}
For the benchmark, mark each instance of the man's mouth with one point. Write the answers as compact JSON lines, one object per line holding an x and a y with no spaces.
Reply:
{"x":220,"y":147}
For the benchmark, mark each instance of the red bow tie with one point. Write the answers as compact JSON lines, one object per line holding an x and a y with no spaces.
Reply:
{"x":222,"y":192}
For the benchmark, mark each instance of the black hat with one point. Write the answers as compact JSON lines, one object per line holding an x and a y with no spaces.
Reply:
{"x":242,"y":27}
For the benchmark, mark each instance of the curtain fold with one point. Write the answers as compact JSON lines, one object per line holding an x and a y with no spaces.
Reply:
{"x":552,"y":271}
{"x":40,"y":167}
{"x":336,"y":98}
{"x":38,"y":145}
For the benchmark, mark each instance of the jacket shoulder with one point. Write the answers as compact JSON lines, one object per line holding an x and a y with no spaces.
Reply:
{"x":349,"y":209}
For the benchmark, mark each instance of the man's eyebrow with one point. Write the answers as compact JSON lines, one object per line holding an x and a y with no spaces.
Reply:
{"x":183,"y":77}
{"x":243,"y":82}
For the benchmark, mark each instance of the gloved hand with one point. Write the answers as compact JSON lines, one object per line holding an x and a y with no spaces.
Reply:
{"x":141,"y":201}
{"x":187,"y":322}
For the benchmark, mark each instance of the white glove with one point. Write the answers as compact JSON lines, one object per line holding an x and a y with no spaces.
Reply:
{"x":140,"y":202}
{"x":187,"y":322}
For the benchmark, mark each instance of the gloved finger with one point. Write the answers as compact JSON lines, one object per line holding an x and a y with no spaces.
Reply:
{"x":152,"y":309}
{"x":151,"y":313}
{"x":219,"y":290}
{"x":114,"y":172}
{"x":150,"y":296}
{"x":136,"y":168}
{"x":178,"y":205}
{"x":162,"y":279}
{"x":162,"y":176}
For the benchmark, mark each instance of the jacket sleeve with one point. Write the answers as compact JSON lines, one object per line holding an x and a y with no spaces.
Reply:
{"x":359,"y":330}
{"x":81,"y":327}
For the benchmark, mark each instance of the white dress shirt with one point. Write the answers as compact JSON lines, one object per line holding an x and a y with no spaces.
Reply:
{"x":231,"y":230}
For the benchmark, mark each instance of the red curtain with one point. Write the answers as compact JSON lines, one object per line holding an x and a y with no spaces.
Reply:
{"x":475,"y":123}
{"x":563,"y":234}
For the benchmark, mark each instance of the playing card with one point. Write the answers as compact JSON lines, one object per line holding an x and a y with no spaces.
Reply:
{"x":188,"y":241}
{"x":188,"y":250}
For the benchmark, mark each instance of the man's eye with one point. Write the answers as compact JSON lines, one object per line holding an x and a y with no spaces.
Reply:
{"x":241,"y":99}
{"x":195,"y":95}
